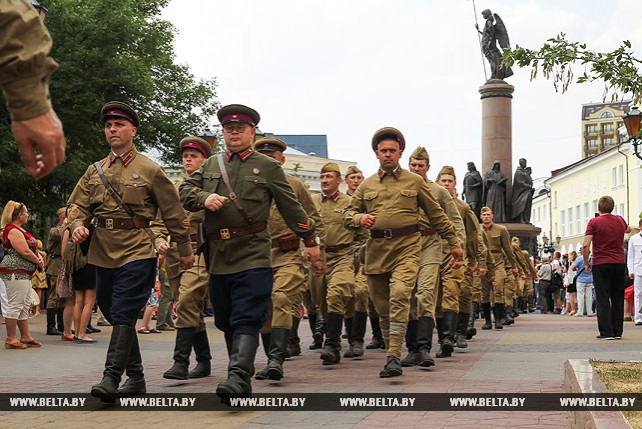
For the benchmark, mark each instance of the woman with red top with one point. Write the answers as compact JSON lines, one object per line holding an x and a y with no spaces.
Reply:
{"x":16,"y":269}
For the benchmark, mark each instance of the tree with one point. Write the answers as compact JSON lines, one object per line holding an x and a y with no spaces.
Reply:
{"x":109,"y":51}
{"x":619,"y":70}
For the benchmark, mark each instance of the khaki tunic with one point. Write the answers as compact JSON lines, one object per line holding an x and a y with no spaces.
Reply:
{"x":499,"y":246}
{"x":25,"y":66}
{"x":54,"y":248}
{"x":257,"y":181}
{"x":144,"y":186}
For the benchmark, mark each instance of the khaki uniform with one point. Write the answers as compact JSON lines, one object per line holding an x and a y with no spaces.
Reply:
{"x":391,"y":264}
{"x":473,"y":253}
{"x":290,"y":271}
{"x":528,"y":270}
{"x":54,"y":250}
{"x":189,"y":287}
{"x":500,"y":247}
{"x":25,"y":66}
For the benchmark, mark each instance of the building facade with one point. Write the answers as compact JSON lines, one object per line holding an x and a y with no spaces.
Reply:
{"x":600,"y":124}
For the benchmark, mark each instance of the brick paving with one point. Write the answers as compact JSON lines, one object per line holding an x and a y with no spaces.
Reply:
{"x":527,"y":357}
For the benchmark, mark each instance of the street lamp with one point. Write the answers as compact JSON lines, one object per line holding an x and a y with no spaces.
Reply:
{"x":632,"y":122}
{"x":547,"y":246}
{"x":42,"y":10}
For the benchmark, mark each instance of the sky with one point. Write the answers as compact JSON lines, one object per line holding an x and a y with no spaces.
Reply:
{"x":348,"y":68}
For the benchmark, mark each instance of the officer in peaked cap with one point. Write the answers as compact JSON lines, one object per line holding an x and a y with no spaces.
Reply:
{"x":196,"y":143}
{"x":238,"y":113}
{"x":120,"y":110}
{"x":388,"y":133}
{"x":270,"y":144}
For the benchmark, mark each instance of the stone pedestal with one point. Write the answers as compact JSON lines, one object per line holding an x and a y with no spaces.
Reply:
{"x":527,"y":234}
{"x":496,"y":97}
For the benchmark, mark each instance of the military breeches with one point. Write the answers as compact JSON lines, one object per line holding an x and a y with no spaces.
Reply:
{"x":289,"y":283}
{"x":451,"y":279}
{"x":466,"y":294}
{"x":476,"y":288}
{"x":359,"y":300}
{"x":427,"y":282}
{"x":53,"y":300}
{"x":317,"y":295}
{"x":390,"y":293}
{"x":519,"y":287}
{"x":339,"y":279}
{"x":529,"y":290}
{"x":509,"y":287}
{"x":192,"y":290}
{"x":487,"y":289}
{"x":499,"y":284}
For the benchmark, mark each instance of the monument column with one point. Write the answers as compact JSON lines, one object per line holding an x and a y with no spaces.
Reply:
{"x":497,"y":141}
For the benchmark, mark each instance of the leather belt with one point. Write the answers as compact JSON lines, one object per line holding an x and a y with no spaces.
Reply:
{"x":393,"y":232}
{"x":495,"y":251}
{"x":425,"y":232}
{"x":193,"y":238}
{"x":227,"y":233}
{"x":335,"y":249}
{"x":122,"y":223}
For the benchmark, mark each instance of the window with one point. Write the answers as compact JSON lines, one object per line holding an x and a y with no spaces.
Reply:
{"x":622,"y":213}
{"x":594,"y":207}
{"x":587,"y":215}
{"x":555,"y":199}
{"x":607,"y":141}
{"x":607,"y":128}
{"x":620,"y":173}
{"x":591,"y":143}
{"x":539,"y":214}
{"x":578,"y":220}
{"x":591,"y":129}
{"x":614,"y":178}
{"x":606,"y":114}
{"x":563,"y":222}
{"x":570,"y":221}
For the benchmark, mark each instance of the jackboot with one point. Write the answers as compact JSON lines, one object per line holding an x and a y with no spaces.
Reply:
{"x":51,"y":322}
{"x":59,"y":319}
{"x":276,"y":355}
{"x":530,"y":303}
{"x":332,"y":345}
{"x":392,"y":368}
{"x":182,"y":350}
{"x":412,"y":358}
{"x":488,"y":322}
{"x":203,"y":354}
{"x":425,"y":326}
{"x":377,"y":338}
{"x":448,"y":327}
{"x":348,"y":327}
{"x":294,"y":342}
{"x":265,"y":341}
{"x":358,"y":332}
{"x":471,"y":331}
{"x":497,"y":312}
{"x":319,"y":333}
{"x":521,"y":305}
{"x":460,"y":335}
{"x":135,"y":383}
{"x":118,"y":352}
{"x":507,"y":318}
{"x":240,"y":368}
{"x":312,"y":321}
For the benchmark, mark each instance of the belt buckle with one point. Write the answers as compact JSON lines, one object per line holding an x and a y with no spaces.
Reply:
{"x":109,"y":223}
{"x":225,"y":234}
{"x":387,"y":233}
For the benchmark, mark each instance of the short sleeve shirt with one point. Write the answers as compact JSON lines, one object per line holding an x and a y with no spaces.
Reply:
{"x":608,"y":239}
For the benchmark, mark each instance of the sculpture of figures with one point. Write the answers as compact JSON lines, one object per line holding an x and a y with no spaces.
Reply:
{"x":495,"y":193}
{"x":494,"y":32}
{"x":473,"y":187}
{"x":522,"y":193}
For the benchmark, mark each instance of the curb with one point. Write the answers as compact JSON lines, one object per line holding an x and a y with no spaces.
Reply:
{"x":579,"y":377}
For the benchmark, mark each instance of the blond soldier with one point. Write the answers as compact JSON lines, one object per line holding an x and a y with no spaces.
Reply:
{"x":388,"y":204}
{"x":55,"y":305}
{"x":340,"y":245}
{"x":435,"y":270}
{"x":475,"y":254}
{"x":189,"y":287}
{"x":500,"y":247}
{"x":122,"y":247}
{"x":290,"y":272}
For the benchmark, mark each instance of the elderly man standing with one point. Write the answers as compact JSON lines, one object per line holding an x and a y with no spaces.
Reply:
{"x":123,"y":192}
{"x":388,"y":204}
{"x":237,"y":189}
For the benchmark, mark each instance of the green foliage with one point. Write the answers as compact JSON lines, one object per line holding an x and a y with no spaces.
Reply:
{"x":108,"y":51}
{"x":619,"y":70}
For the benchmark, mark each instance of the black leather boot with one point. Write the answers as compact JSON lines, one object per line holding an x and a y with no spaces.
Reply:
{"x":240,"y":368}
{"x":348,"y":325}
{"x":332,"y":345}
{"x":312,"y":321}
{"x":412,"y":358}
{"x":507,"y":318}
{"x":276,"y":355}
{"x":118,"y":352}
{"x":471,"y":331}
{"x":135,"y":383}
{"x":448,"y":327}
{"x":498,"y":309}
{"x":182,"y":350}
{"x":59,"y":319}
{"x":51,"y":322}
{"x":356,"y":337}
{"x":294,"y":342}
{"x":487,"y":317}
{"x":460,"y":335}
{"x":392,"y":368}
{"x":203,"y":354}
{"x":377,"y":338}
{"x":425,"y":326}
{"x":319,"y":333}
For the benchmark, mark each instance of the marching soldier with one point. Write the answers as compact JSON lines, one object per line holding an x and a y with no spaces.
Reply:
{"x":290,"y":272}
{"x":55,"y":304}
{"x":525,"y":289}
{"x":387,"y":204}
{"x":124,"y":192}
{"x":189,"y":287}
{"x":500,"y":247}
{"x":237,"y":189}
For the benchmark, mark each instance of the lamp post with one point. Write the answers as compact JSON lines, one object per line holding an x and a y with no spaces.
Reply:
{"x":547,"y":246}
{"x":632,"y":123}
{"x":42,"y":10}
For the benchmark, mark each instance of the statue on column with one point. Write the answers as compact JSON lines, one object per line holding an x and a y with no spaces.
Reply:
{"x":495,"y":193}
{"x":473,"y":187}
{"x":494,"y":32}
{"x":522,"y":193}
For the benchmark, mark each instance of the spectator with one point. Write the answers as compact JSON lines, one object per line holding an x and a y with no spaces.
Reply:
{"x":19,"y":263}
{"x":84,"y":286}
{"x":634,"y":264}
{"x":606,"y":233}
{"x":571,"y":286}
{"x":584,"y":284}
{"x":39,"y":279}
{"x":545,"y":273}
{"x":152,"y":303}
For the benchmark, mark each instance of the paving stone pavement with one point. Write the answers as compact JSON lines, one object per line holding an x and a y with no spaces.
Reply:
{"x":527,"y":357}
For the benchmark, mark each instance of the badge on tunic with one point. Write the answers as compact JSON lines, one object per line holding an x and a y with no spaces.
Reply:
{"x":256,"y":171}
{"x":135,"y":176}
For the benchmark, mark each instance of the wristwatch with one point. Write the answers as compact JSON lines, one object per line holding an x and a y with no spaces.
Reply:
{"x":311,"y":242}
